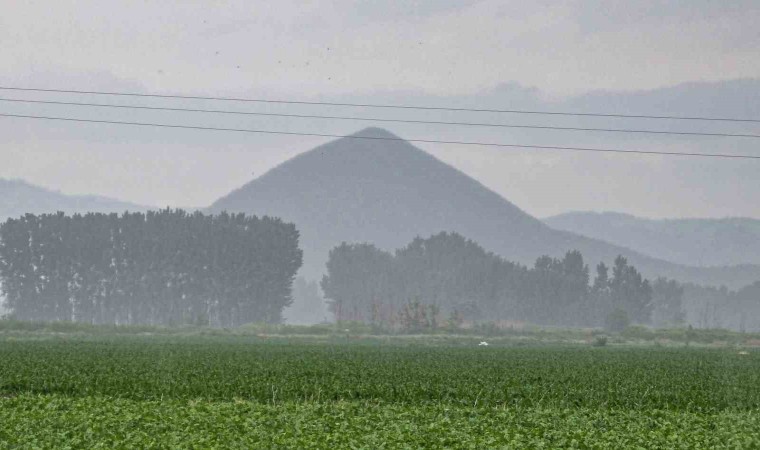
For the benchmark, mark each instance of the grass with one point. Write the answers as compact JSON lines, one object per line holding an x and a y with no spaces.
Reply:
{"x":244,"y":391}
{"x":527,"y":334}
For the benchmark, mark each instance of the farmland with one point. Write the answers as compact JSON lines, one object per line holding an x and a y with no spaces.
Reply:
{"x":244,"y":391}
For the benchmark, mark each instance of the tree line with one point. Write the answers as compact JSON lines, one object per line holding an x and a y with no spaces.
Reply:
{"x":455,"y":277}
{"x":720,"y":307}
{"x":159,"y":268}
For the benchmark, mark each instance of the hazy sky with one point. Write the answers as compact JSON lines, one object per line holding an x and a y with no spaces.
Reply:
{"x":547,"y":54}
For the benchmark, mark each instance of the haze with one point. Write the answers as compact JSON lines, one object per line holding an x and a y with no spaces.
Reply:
{"x":380,"y":224}
{"x":644,"y":57}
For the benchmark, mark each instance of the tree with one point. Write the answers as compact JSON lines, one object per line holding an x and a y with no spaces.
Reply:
{"x":602,"y":280}
{"x":358,"y":277}
{"x":457,"y":275}
{"x":561,"y":290}
{"x":667,"y":297}
{"x":163,"y":267}
{"x":617,"y":320}
{"x":630,"y":292}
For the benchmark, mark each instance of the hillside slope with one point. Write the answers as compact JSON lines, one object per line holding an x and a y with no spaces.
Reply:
{"x":19,"y":197}
{"x":388,"y":191}
{"x":703,"y":242}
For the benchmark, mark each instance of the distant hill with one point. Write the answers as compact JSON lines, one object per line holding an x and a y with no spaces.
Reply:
{"x":18,"y":197}
{"x":702,"y":242}
{"x":388,"y":192}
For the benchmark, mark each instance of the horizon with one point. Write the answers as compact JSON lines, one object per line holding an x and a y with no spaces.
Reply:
{"x":61,"y":191}
{"x":674,"y":58}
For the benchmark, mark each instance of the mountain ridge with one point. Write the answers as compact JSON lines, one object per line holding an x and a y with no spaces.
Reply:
{"x":705,"y":241}
{"x":389,"y":191}
{"x":18,"y":197}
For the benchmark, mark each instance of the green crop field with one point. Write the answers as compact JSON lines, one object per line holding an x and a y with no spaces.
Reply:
{"x":73,"y":391}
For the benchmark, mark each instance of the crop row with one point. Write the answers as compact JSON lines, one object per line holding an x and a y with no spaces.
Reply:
{"x":271,"y":373}
{"x":30,"y":421}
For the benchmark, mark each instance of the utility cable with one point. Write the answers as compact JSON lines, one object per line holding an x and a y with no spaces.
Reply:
{"x":379,"y":119}
{"x":388,"y":106}
{"x":380,"y":138}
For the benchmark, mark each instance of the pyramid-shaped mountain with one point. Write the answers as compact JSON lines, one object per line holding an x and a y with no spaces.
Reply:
{"x":375,"y":187}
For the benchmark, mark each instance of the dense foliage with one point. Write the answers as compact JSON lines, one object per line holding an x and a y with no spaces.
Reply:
{"x":164,"y":267}
{"x":152,"y":392}
{"x":711,"y":307}
{"x":55,"y":421}
{"x":457,"y":277}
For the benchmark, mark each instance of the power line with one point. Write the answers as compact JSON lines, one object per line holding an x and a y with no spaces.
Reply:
{"x":380,"y":138}
{"x":371,"y":105}
{"x":379,"y":119}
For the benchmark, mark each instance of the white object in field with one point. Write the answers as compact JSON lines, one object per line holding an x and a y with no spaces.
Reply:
{"x":483,"y":344}
{"x":743,"y":352}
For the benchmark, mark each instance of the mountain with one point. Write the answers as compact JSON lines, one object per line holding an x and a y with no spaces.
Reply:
{"x":364,"y":189}
{"x":725,"y":98}
{"x":702,"y":242}
{"x":18,"y":197}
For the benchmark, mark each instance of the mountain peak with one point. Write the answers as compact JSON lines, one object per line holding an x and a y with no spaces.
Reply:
{"x":380,"y":191}
{"x":387,"y":192}
{"x":375,"y":132}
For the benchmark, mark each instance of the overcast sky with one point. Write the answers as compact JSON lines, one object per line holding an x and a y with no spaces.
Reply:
{"x":610,"y":55}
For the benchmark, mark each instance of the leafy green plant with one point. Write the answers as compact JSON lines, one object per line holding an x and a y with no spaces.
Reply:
{"x":230,"y":390}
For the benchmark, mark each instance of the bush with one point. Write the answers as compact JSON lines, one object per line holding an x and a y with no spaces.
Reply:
{"x":600,"y":341}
